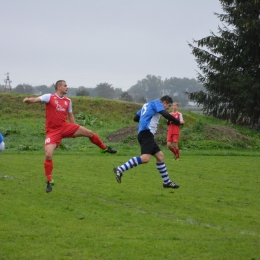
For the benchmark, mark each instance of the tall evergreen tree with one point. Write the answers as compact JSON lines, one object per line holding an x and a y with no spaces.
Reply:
{"x":230,"y":64}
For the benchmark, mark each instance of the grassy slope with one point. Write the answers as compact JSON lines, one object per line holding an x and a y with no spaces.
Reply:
{"x":104,"y":117}
{"x":23,"y":125}
{"x":11,"y":106}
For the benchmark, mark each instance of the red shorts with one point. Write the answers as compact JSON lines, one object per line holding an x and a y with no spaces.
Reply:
{"x":173,"y":138}
{"x":67,"y":130}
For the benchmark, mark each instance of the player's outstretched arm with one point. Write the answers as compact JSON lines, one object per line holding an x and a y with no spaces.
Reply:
{"x":31,"y":100}
{"x":169,"y":117}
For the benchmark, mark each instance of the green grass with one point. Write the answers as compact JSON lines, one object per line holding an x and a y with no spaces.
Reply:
{"x":88,"y":215}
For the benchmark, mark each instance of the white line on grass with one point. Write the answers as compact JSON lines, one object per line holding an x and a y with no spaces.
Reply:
{"x":168,"y":216}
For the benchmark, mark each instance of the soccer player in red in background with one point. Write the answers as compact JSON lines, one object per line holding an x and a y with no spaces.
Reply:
{"x":58,"y":110}
{"x":174,"y":132}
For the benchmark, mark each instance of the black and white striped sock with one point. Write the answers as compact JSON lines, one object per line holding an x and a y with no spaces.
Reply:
{"x":133,"y":162}
{"x":161,"y":167}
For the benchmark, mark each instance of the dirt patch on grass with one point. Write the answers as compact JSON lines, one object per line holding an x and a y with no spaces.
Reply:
{"x":218,"y":133}
{"x":221,"y":133}
{"x":120,"y":134}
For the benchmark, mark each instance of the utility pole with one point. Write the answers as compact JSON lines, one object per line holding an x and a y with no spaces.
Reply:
{"x":7,"y":83}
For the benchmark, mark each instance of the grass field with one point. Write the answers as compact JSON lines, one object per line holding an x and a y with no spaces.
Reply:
{"x":88,"y":215}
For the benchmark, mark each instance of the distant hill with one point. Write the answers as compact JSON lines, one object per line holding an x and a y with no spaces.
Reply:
{"x":12,"y":106}
{"x":114,"y":120}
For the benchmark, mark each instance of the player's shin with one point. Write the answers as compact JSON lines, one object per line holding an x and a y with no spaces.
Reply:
{"x":161,"y":167}
{"x":95,"y":139}
{"x":173,"y":151}
{"x":178,"y":152}
{"x":48,"y":166}
{"x":133,"y":162}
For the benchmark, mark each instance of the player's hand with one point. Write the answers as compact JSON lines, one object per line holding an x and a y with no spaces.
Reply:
{"x":26,"y":100}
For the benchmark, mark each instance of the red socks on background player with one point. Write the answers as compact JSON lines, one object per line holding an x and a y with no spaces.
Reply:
{"x":175,"y":151}
{"x":97,"y":141}
{"x":48,"y":166}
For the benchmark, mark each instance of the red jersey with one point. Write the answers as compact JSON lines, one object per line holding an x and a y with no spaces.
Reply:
{"x":175,"y":129}
{"x":57,"y":109}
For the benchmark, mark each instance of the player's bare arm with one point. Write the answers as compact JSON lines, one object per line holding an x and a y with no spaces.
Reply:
{"x":71,"y":118}
{"x":31,"y":100}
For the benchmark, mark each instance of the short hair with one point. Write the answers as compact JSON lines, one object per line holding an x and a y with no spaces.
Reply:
{"x":166,"y":98}
{"x":175,"y":103}
{"x":57,"y":83}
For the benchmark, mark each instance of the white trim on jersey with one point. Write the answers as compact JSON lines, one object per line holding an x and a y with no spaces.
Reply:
{"x":46,"y":99}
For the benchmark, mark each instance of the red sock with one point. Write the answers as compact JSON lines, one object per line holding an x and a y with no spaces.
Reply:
{"x":48,"y":166}
{"x":97,"y":141}
{"x":173,"y":151}
{"x":178,"y":152}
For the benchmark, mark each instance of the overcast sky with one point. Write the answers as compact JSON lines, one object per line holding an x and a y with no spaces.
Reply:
{"x":87,"y":42}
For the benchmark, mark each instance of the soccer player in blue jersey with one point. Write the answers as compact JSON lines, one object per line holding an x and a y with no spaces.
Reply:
{"x":2,"y":143}
{"x":148,"y":117}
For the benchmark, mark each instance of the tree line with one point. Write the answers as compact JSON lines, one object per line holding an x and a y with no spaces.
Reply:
{"x":149,"y":88}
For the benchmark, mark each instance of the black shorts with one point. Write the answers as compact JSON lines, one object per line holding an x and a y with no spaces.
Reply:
{"x":147,"y":143}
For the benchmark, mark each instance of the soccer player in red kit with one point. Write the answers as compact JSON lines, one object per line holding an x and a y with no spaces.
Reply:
{"x":58,"y":110}
{"x":174,"y":132}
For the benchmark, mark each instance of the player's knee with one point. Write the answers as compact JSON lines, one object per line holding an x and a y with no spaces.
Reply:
{"x":145,"y":159}
{"x":48,"y":156}
{"x":160,"y":157}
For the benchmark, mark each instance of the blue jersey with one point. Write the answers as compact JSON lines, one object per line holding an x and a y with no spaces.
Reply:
{"x":1,"y":138}
{"x":149,"y":116}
